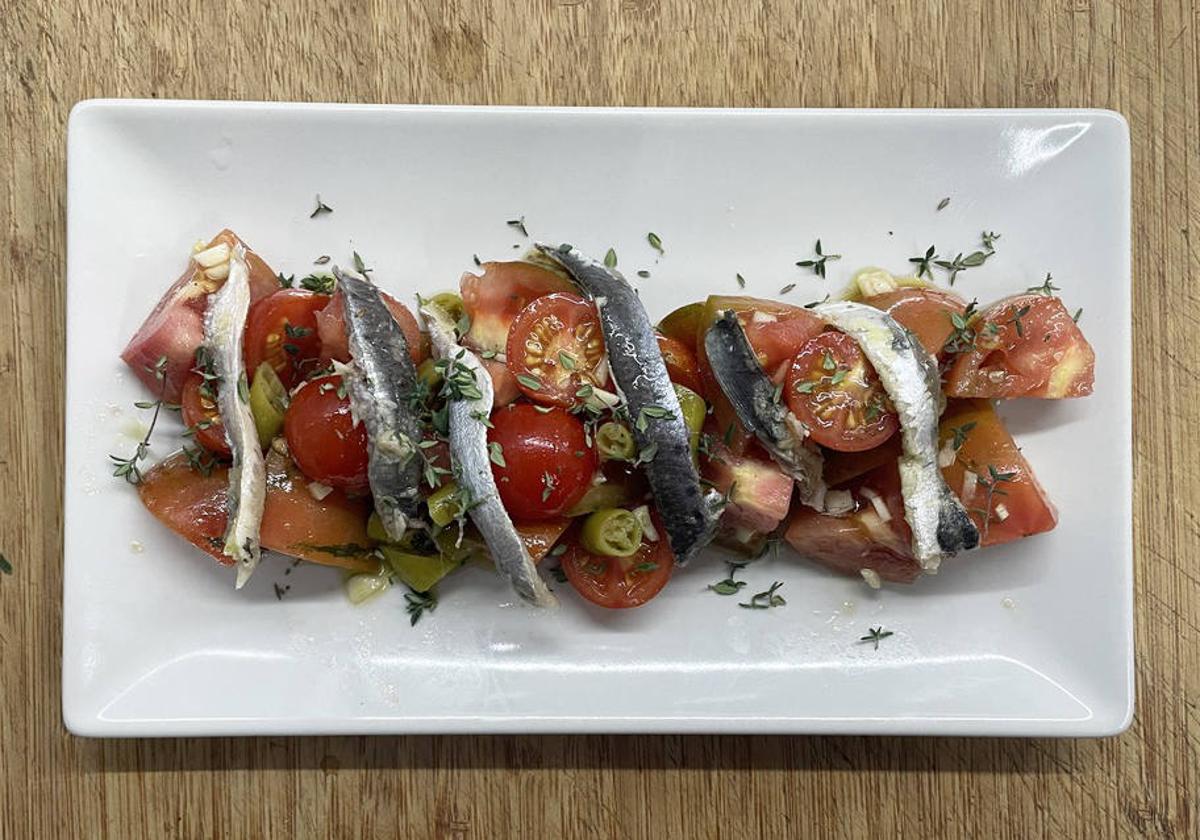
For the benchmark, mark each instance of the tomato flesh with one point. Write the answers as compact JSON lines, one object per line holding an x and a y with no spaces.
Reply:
{"x":548,"y":464}
{"x":924,"y":312}
{"x":1025,"y":346}
{"x":492,"y":300}
{"x":621,"y":582}
{"x":555,"y":347}
{"x":759,"y":492}
{"x":200,"y":415}
{"x":322,"y":437}
{"x":331,"y":328}
{"x":282,"y":330}
{"x":681,"y":363}
{"x":833,"y":390}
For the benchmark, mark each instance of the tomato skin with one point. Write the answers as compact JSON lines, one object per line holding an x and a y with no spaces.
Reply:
{"x":331,"y":327}
{"x":504,"y":385}
{"x":621,"y":582}
{"x":775,"y":330}
{"x":1048,"y":357}
{"x":200,"y":413}
{"x":923,"y":311}
{"x":534,"y":444}
{"x":548,"y":328}
{"x":683,"y":324}
{"x":850,"y":415}
{"x":282,"y":329}
{"x":322,"y":438}
{"x":294,"y":523}
{"x":682,"y":367}
{"x":493,"y":299}
{"x":1027,"y":508}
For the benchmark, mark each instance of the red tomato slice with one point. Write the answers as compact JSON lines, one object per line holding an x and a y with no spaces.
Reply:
{"x":555,"y":347}
{"x":175,"y":327}
{"x":1017,"y":506}
{"x":1025,"y":346}
{"x":504,"y":384}
{"x":833,"y":390}
{"x":322,"y":438}
{"x":282,"y":329}
{"x":775,"y":330}
{"x":761,"y":493}
{"x":198,"y":407}
{"x":681,"y":363}
{"x":492,"y":300}
{"x":331,"y":327}
{"x":540,"y":537}
{"x":621,"y":582}
{"x":193,"y":505}
{"x":925,"y":312}
{"x":548,"y":463}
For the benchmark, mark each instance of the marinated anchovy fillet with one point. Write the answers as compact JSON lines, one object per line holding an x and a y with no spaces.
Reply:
{"x":940,"y":525}
{"x":756,"y":400}
{"x":473,"y":467}
{"x":640,"y":377}
{"x":224,"y":324}
{"x":380,"y":384}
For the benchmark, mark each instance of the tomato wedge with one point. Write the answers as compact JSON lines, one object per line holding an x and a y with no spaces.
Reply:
{"x":540,"y":537}
{"x":321,"y":435}
{"x":621,"y":582}
{"x":547,"y":462}
{"x":198,"y":407}
{"x":492,"y":300}
{"x":833,"y":390}
{"x":683,"y":323}
{"x":1002,"y":495}
{"x":332,"y":531}
{"x":682,"y":367}
{"x":1024,"y":346}
{"x":331,"y":327}
{"x":924,"y":311}
{"x":282,"y":329}
{"x":555,"y":347}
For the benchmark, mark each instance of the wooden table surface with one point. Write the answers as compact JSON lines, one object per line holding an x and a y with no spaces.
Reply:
{"x":1140,"y":58}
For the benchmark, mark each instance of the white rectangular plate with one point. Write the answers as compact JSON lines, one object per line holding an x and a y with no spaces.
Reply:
{"x":1029,"y":639}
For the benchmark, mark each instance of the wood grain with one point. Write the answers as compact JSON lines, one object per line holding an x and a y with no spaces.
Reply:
{"x":1137,"y":57}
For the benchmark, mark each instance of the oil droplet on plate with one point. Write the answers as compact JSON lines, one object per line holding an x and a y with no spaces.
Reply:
{"x":1008,"y":603}
{"x":848,"y":607}
{"x":136,"y":547}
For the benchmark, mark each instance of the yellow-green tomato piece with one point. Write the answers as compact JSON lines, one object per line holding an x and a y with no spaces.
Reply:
{"x":451,"y":304}
{"x":428,"y":373}
{"x":606,"y":494}
{"x":268,"y":402}
{"x":360,"y":587}
{"x":695,"y":409}
{"x":375,"y":529}
{"x":419,"y":571}
{"x":444,"y":504}
{"x":614,"y":442}
{"x":612,"y":532}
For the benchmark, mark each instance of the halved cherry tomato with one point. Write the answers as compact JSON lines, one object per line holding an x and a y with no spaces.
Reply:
{"x":294,"y":522}
{"x":1025,"y":346}
{"x":282,"y":330}
{"x":548,"y":465}
{"x":835,"y":392}
{"x":493,"y":299}
{"x":775,"y":330}
{"x":555,"y":347}
{"x":201,"y":416}
{"x":331,"y":326}
{"x":925,"y":312}
{"x":681,"y":363}
{"x":322,"y":437}
{"x":1017,"y":506}
{"x":621,"y":582}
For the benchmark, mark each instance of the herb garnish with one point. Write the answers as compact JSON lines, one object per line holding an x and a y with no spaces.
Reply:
{"x":417,"y":604}
{"x":875,"y":634}
{"x":729,"y":586}
{"x":655,"y":241}
{"x":818,"y":264}
{"x":360,"y":266}
{"x":530,"y":382}
{"x":923,"y":263}
{"x":286,"y":282}
{"x":322,"y":207}
{"x":127,"y":468}
{"x":994,"y":477}
{"x":1047,"y":288}
{"x":789,"y":287}
{"x":549,"y":482}
{"x":813,"y":304}
{"x":279,"y":591}
{"x":610,"y":259}
{"x":963,"y":336}
{"x":650,"y":412}
{"x":643,"y":273}
{"x":943,"y":203}
{"x":5,"y":566}
{"x":765,"y":600}
{"x":1078,"y":312}
{"x":959,"y":434}
{"x":320,"y":283}
{"x":557,"y":572}
{"x":961,"y":263}
{"x":1017,"y":314}
{"x":741,"y":281}
{"x":518,"y":224}
{"x":496,"y":454}
{"x":322,"y":260}
{"x":989,"y":240}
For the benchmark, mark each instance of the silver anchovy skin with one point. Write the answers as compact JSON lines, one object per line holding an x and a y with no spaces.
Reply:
{"x":380,"y":384}
{"x":755,"y":400}
{"x":940,"y":525}
{"x":224,"y":324}
{"x":640,"y":376}
{"x":469,"y":450}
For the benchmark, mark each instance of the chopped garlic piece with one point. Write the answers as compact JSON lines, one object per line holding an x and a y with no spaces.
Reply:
{"x":871,"y":577}
{"x":649,"y":532}
{"x":214,"y":256}
{"x":1001,"y":512}
{"x":760,"y":317}
{"x":838,"y":502}
{"x":967,"y":492}
{"x":947,"y":454}
{"x":219,"y":272}
{"x":318,"y":490}
{"x":877,"y":502}
{"x":875,"y":281}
